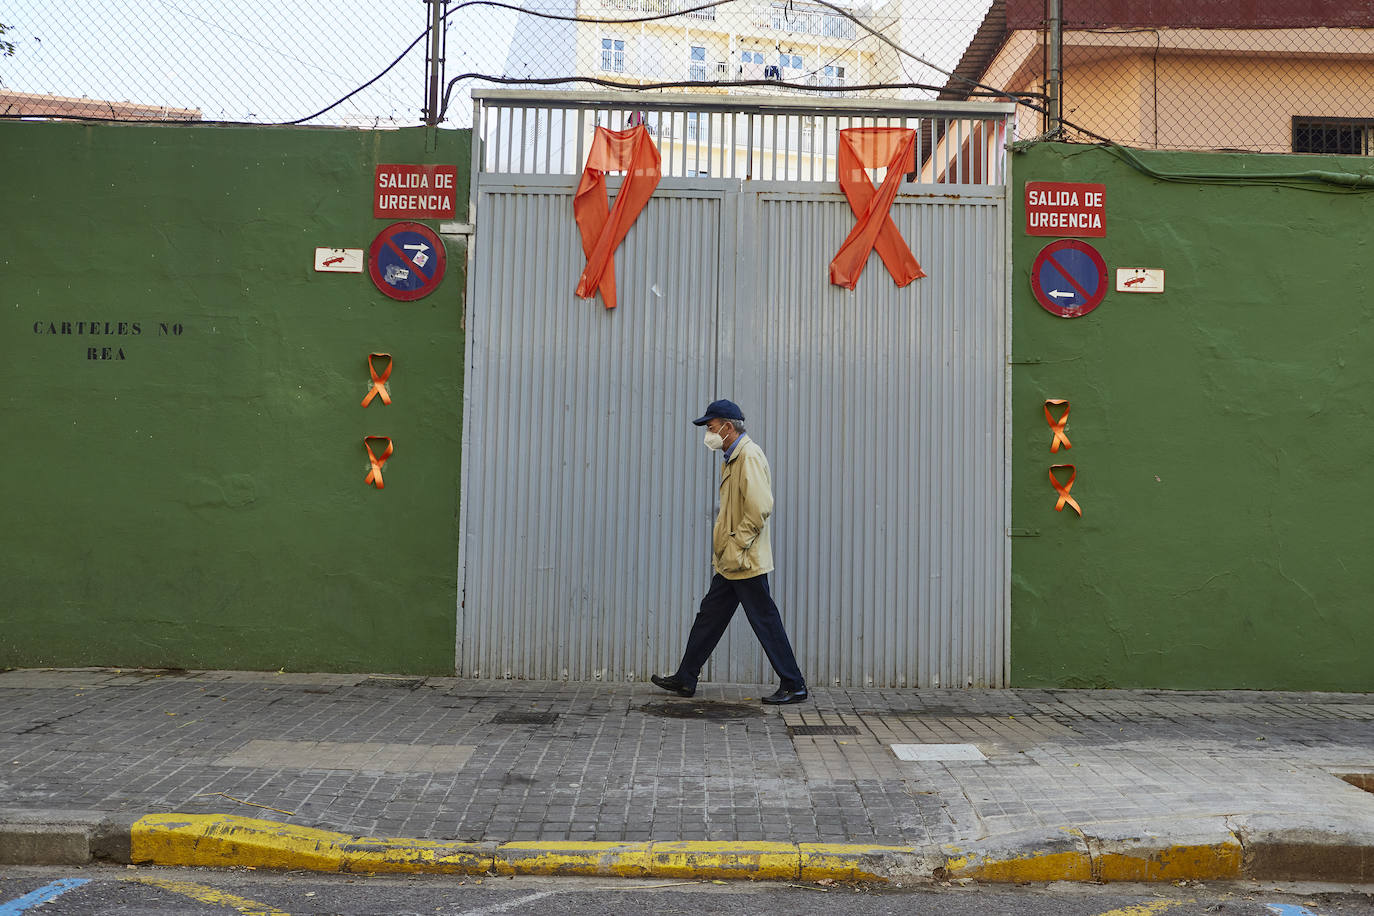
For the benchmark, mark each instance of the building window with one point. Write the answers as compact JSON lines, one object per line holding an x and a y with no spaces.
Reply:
{"x":832,"y":76}
{"x":696,"y":66}
{"x":1340,"y":136}
{"x":751,"y":65}
{"x":693,"y":125}
{"x":811,"y":20}
{"x":789,"y":63}
{"x":613,"y":55}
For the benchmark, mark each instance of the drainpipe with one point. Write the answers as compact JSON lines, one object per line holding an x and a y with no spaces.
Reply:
{"x":1054,"y":85}
{"x":434,"y":61}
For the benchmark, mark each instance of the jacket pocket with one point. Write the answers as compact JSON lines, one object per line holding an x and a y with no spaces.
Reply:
{"x":733,"y":557}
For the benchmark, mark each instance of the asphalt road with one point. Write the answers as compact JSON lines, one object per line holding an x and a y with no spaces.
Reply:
{"x":121,"y":890}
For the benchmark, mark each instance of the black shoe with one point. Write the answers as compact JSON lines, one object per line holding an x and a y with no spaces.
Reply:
{"x":784,"y":696}
{"x":673,"y":684}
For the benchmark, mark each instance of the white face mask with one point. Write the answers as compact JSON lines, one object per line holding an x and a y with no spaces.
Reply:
{"x":713,"y":441}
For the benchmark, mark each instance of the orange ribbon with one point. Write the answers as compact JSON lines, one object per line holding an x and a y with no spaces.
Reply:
{"x":1063,"y":489}
{"x":1058,"y":425}
{"x":604,"y":227}
{"x":378,"y":382}
{"x":374,"y":476}
{"x":870,"y":147}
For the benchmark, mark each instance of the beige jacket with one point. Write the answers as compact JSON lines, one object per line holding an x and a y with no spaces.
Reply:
{"x":739,"y":543}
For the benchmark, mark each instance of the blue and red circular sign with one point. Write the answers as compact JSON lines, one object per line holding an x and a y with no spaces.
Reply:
{"x":406,"y":261}
{"x":1069,"y":278}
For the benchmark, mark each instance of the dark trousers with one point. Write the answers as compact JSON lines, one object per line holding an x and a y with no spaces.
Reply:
{"x":718,"y":607}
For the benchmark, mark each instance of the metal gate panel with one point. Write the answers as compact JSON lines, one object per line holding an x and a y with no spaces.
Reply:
{"x":587,"y":515}
{"x":587,"y":503}
{"x":882,"y":412}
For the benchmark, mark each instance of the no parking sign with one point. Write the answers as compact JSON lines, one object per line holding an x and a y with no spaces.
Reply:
{"x":1069,"y":278}
{"x":406,"y":261}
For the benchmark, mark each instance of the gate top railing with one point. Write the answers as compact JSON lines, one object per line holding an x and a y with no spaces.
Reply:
{"x":763,"y":138}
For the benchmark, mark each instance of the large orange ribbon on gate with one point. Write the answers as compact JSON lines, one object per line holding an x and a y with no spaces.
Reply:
{"x":374,"y":476}
{"x":1058,"y":425}
{"x":379,"y":382}
{"x":870,"y":147}
{"x":603,"y":227}
{"x":1063,"y":489}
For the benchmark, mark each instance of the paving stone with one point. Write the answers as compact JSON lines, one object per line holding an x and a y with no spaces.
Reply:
{"x":430,"y":761}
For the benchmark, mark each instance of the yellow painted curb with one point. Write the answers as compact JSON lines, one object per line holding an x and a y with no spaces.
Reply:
{"x":223,"y":840}
{"x":851,"y":862}
{"x":1072,"y":865}
{"x":761,"y":861}
{"x":1211,"y":862}
{"x":556,"y":857}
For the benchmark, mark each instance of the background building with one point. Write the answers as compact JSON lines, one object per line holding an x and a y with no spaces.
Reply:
{"x":1291,"y":76}
{"x":753,"y":48}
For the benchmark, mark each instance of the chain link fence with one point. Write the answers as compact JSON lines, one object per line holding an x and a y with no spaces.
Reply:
{"x":253,"y":62}
{"x":1265,"y":76}
{"x":362,"y":63}
{"x":1269,"y":76}
{"x":1308,"y":90}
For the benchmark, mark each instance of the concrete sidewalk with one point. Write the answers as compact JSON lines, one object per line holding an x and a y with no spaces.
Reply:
{"x":351,"y":772}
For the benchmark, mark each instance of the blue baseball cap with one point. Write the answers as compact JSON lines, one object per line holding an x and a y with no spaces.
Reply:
{"x":720,"y":410}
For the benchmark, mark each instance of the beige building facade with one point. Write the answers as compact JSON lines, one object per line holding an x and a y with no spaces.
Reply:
{"x":1184,"y":82}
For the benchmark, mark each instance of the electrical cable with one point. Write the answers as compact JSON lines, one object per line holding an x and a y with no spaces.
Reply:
{"x":1014,"y":96}
{"x":498,"y":4}
{"x":389,"y":67}
{"x":1344,"y":182}
{"x":494,"y":3}
{"x":680,"y":84}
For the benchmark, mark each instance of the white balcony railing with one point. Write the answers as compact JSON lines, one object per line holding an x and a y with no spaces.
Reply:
{"x":660,"y":7}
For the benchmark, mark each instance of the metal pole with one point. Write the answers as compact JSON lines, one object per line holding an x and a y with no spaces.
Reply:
{"x":434,"y":62}
{"x":1054,"y":85}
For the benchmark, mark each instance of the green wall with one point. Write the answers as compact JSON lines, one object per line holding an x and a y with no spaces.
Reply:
{"x":1221,"y":431}
{"x":200,"y":502}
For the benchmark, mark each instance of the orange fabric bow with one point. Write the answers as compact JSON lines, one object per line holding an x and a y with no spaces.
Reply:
{"x":604,"y":227}
{"x":374,"y":476}
{"x":1063,"y":489}
{"x":379,"y":382}
{"x":1058,"y":425}
{"x":870,"y":147}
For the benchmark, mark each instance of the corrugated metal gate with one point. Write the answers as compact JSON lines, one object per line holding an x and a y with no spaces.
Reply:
{"x":587,"y":496}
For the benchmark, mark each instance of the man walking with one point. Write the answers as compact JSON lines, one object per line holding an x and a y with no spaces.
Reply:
{"x":743,"y":558}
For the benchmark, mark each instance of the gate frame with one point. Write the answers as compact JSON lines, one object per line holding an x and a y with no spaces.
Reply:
{"x":752,"y":105}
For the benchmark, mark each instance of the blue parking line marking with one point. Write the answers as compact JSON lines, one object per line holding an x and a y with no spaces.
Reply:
{"x":42,"y":895}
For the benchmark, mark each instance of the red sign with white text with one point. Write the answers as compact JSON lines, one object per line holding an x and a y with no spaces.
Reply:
{"x":415,"y":192}
{"x":1066,"y":208}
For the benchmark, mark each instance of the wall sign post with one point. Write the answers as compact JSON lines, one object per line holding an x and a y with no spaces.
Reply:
{"x":406,"y":261}
{"x":1069,"y":278}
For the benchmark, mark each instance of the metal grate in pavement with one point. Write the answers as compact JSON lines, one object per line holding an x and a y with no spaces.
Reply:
{"x":519,"y":717}
{"x":404,"y":683}
{"x":822,"y":730}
